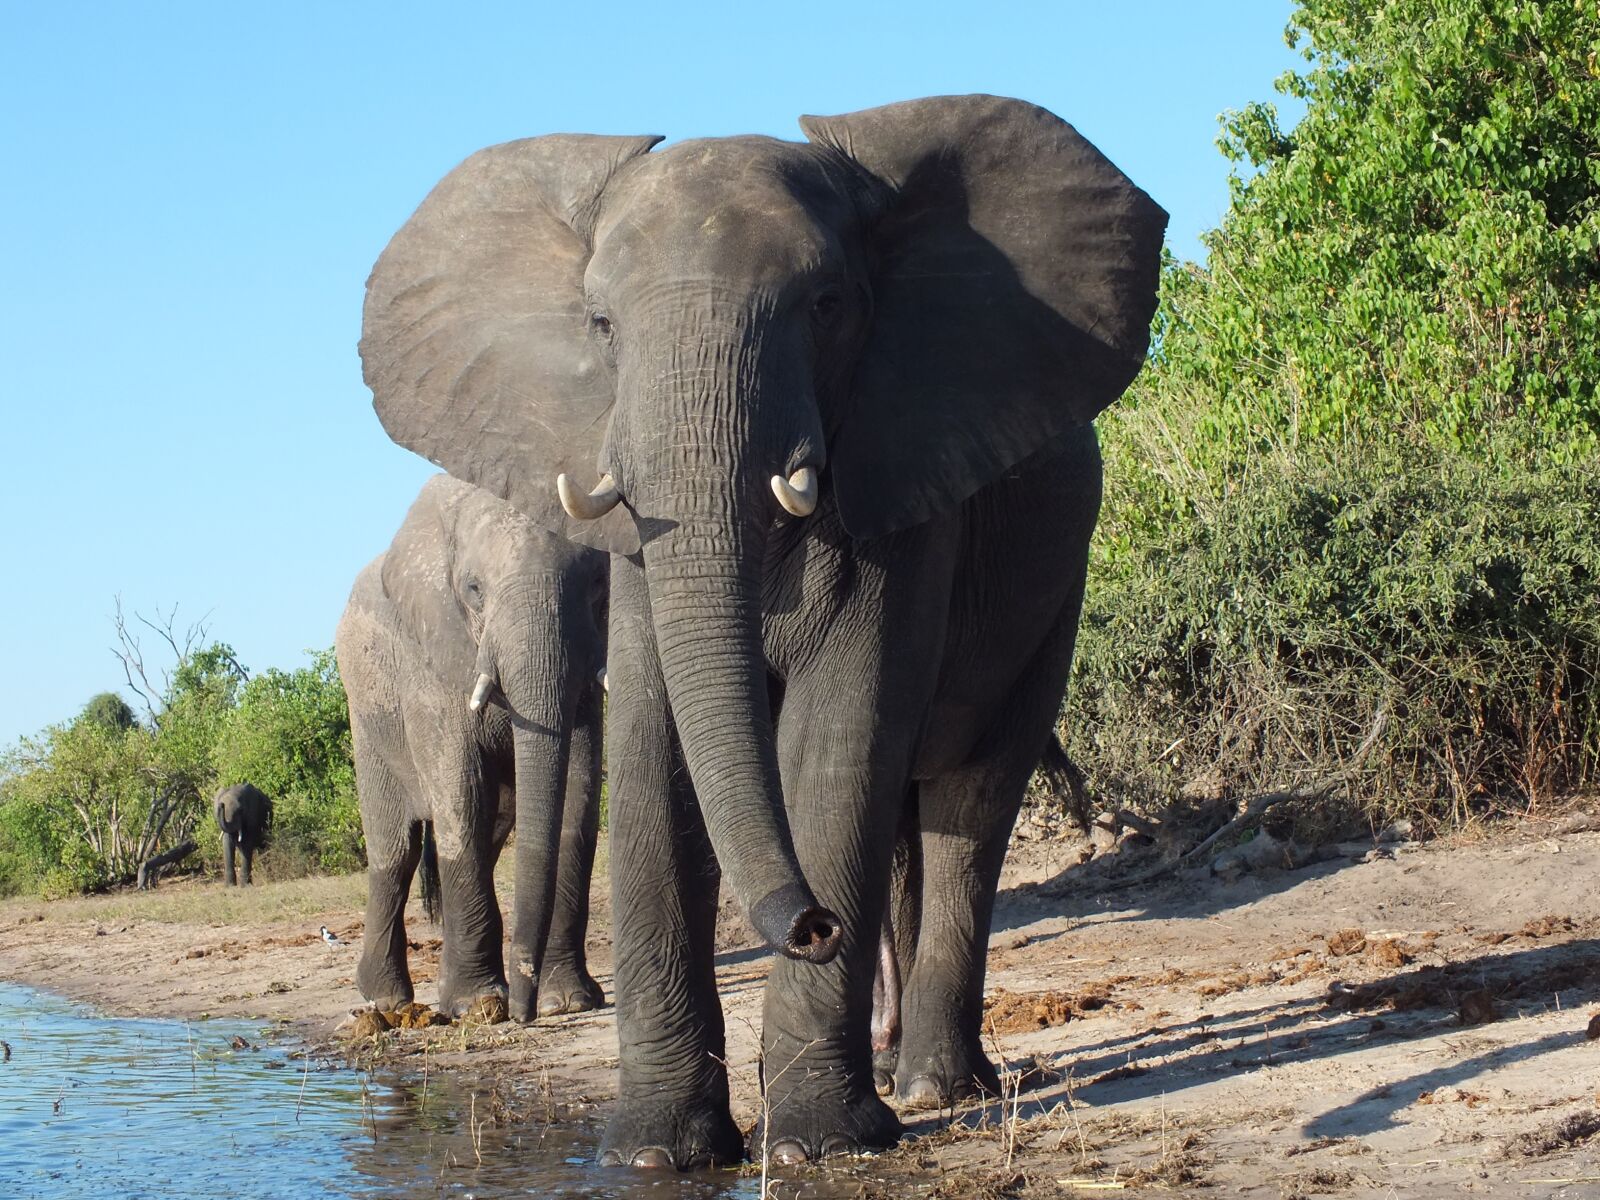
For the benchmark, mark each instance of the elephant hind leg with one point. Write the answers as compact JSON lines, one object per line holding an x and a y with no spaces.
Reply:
{"x":229,"y":843}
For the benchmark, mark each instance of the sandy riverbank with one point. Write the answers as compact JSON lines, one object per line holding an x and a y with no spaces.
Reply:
{"x":1389,"y":1026}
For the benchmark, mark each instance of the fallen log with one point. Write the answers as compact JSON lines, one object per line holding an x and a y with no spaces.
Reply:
{"x":150,"y":868}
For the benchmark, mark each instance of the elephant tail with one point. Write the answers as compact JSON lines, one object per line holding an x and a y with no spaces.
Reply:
{"x":1063,"y":775}
{"x":430,"y":873}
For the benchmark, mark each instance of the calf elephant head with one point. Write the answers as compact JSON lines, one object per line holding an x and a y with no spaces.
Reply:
{"x":886,"y":317}
{"x":480,"y":586}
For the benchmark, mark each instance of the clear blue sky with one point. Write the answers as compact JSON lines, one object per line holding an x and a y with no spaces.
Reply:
{"x":195,"y":192}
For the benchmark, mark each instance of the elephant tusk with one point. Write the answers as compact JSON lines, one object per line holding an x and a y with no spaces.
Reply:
{"x":589,"y":507}
{"x":480,"y":693}
{"x":605,"y":680}
{"x":798,"y":493}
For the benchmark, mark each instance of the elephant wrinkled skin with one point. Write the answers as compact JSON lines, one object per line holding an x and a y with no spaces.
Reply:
{"x":470,"y":652}
{"x":837,"y":397}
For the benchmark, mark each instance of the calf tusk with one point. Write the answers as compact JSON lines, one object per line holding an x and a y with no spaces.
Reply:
{"x":589,"y":507}
{"x":798,"y":493}
{"x":480,"y":693}
{"x":605,"y":680}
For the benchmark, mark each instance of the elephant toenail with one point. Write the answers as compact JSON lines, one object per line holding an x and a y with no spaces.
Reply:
{"x":788,"y":1153}
{"x":924,"y":1089}
{"x":611,"y":1158}
{"x":838,"y":1143}
{"x":883,"y":1082}
{"x":654,"y":1158}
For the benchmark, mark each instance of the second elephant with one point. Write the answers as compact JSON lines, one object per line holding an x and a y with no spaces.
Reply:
{"x":470,"y":653}
{"x":243,"y":814}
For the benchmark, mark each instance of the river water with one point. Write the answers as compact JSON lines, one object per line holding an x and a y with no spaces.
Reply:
{"x":95,"y":1106}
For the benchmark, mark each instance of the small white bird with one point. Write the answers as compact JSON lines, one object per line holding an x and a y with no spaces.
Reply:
{"x":327,"y":936}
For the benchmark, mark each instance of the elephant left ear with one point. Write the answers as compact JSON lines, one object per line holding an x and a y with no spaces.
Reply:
{"x":1014,"y":279}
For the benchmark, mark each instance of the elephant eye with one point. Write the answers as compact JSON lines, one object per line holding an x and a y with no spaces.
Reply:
{"x":601,"y":324}
{"x":825,"y":309}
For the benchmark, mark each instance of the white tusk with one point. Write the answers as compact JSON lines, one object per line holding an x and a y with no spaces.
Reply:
{"x":589,"y":507}
{"x":480,"y":694}
{"x":605,"y":680}
{"x":798,"y":493}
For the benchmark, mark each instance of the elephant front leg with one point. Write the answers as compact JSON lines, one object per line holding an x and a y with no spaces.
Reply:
{"x":565,"y":985}
{"x":965,"y":817}
{"x":471,"y":968}
{"x":383,"y":976}
{"x":228,"y":843}
{"x":672,"y":1096}
{"x":843,"y":796}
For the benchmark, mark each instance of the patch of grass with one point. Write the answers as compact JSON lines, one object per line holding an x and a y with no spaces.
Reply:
{"x":201,"y":902}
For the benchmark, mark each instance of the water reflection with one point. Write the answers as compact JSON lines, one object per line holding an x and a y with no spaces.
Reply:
{"x":91,"y":1106}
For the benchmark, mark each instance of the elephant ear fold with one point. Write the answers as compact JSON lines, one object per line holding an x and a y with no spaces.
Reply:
{"x":418,"y":575}
{"x":473,"y":337}
{"x":1014,"y":279}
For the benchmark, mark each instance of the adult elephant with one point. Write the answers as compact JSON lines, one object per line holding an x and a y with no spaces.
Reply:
{"x":244,"y":814}
{"x":470,"y":652}
{"x":837,"y":394}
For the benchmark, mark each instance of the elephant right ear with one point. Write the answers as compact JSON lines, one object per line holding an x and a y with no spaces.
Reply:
{"x":473,"y":338}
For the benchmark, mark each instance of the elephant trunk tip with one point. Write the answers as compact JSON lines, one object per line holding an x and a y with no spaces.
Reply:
{"x":795,"y":925}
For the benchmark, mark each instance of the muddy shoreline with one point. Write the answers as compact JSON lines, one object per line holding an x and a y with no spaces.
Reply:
{"x":1414,"y":1023}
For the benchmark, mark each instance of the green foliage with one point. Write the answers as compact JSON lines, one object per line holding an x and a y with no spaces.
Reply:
{"x":1434,"y":612}
{"x":1418,"y":255}
{"x":110,"y":711}
{"x":290,"y":736}
{"x":1358,"y":476}
{"x":83,"y":803}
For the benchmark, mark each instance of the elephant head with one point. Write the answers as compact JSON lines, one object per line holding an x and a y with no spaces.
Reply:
{"x":480,"y":586}
{"x":507,"y":614}
{"x":885,"y":318}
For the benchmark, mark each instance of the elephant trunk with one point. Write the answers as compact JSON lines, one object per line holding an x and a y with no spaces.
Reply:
{"x":533,"y":672}
{"x":704,"y":582}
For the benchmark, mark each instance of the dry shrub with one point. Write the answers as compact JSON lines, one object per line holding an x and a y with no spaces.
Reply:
{"x":1434,"y":608}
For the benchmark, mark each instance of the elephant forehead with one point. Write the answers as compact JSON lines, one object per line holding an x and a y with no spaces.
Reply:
{"x":729,"y":209}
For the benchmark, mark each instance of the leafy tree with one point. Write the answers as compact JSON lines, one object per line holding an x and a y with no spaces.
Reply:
{"x":1419,"y":257}
{"x":110,"y":711}
{"x":290,"y":736}
{"x":1356,"y":479}
{"x":83,"y":803}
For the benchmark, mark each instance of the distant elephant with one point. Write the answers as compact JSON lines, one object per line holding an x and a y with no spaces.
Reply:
{"x":838,"y":395}
{"x":244,"y":814}
{"x":471,"y":652}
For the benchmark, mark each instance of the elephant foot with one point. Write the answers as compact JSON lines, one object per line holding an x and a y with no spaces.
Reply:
{"x":386,"y":987}
{"x":568,"y":988}
{"x":485,"y":1004}
{"x":883,"y":1067}
{"x":667,"y":1135}
{"x":806,"y":1123}
{"x":944,"y":1080}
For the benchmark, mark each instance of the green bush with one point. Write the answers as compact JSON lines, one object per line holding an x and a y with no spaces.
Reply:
{"x":290,"y":736}
{"x":1432,"y":611}
{"x":83,"y":803}
{"x":1351,"y":502}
